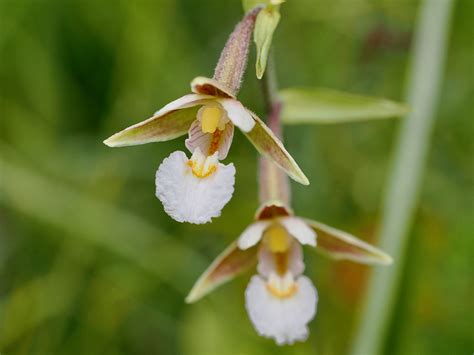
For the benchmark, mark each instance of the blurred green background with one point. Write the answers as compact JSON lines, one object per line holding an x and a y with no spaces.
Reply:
{"x":89,"y":261}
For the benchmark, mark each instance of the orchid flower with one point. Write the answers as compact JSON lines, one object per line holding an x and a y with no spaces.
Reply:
{"x":196,"y":189}
{"x":280,"y":301}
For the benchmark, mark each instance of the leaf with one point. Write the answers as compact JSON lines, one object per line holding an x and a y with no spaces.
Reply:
{"x":340,"y":245}
{"x":267,"y":22}
{"x":231,"y":262}
{"x":271,"y":147}
{"x":326,"y":106}
{"x":172,"y":121}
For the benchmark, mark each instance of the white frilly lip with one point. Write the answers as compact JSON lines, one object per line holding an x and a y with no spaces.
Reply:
{"x":187,"y":198}
{"x":283,"y":319}
{"x":295,"y":226}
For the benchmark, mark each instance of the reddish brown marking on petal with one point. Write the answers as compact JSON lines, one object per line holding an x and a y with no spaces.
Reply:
{"x":207,"y":89}
{"x":281,"y":262}
{"x":272,"y":211}
{"x":215,"y":142}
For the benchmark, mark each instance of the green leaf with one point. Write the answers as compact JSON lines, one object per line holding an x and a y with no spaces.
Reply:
{"x":326,"y":106}
{"x":341,"y":245}
{"x":267,"y":22}
{"x":271,"y":147}
{"x":231,"y":262}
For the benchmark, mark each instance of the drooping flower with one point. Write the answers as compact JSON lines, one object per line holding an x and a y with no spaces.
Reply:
{"x":281,"y":301}
{"x":196,"y":189}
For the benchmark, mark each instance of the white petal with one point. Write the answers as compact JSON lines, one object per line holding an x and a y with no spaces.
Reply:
{"x":267,"y":265}
{"x":188,"y":100}
{"x":238,"y":114}
{"x":299,"y":230}
{"x":197,"y":138}
{"x":252,"y":235}
{"x":283,"y":319}
{"x":187,"y":198}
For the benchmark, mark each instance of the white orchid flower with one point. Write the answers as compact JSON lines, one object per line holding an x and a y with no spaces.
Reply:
{"x":196,"y":189}
{"x":281,"y":301}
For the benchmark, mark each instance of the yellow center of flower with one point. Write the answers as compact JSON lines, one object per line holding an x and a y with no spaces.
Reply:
{"x":277,"y":238}
{"x":202,"y":166}
{"x":211,"y":119}
{"x":282,"y":287}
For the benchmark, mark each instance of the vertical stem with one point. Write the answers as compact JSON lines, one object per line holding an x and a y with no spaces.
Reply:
{"x":270,"y":86}
{"x":273,"y":182}
{"x":403,"y":187}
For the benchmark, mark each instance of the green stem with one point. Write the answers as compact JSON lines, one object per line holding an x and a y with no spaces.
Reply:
{"x":270,"y":86}
{"x":273,"y":182}
{"x":404,"y":184}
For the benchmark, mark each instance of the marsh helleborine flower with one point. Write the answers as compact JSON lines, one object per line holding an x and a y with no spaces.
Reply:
{"x":196,"y":189}
{"x":280,"y":301}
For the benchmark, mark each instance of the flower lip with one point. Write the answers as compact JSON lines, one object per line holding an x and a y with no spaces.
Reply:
{"x":207,"y":86}
{"x":190,"y":198}
{"x":283,"y":319}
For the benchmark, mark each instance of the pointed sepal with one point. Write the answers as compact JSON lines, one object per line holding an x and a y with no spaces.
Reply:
{"x":271,"y":147}
{"x":231,"y":262}
{"x":172,"y":121}
{"x":341,"y":245}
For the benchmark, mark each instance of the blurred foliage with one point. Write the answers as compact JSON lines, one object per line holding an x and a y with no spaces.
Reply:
{"x":90,"y":263}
